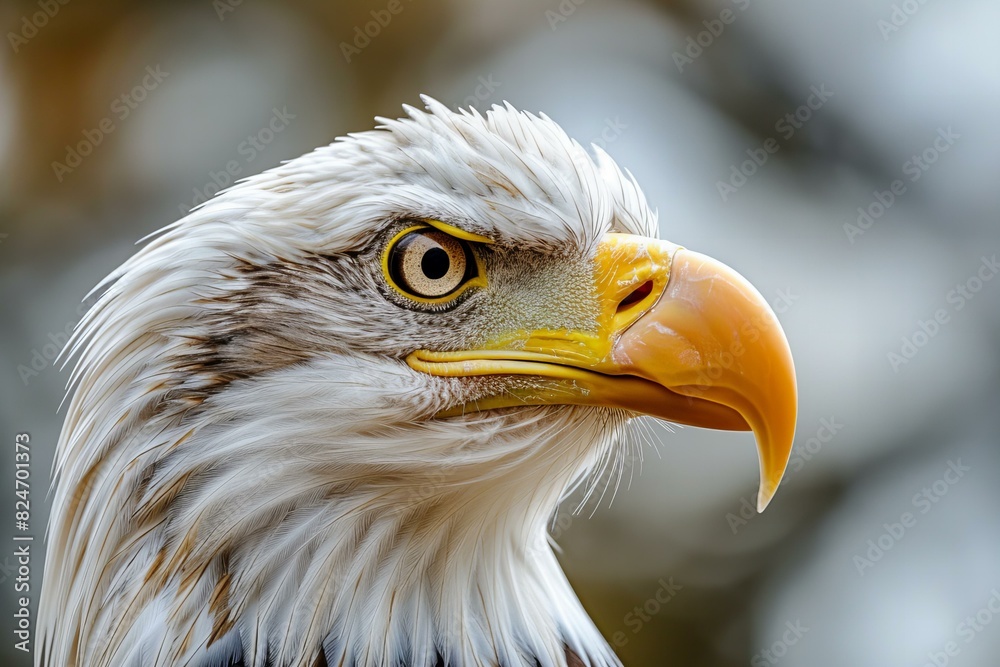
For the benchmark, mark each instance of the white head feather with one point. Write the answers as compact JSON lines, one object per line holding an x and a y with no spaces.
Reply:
{"x":247,"y":466}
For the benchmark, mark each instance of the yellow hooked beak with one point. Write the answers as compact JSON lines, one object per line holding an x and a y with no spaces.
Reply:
{"x":679,"y":336}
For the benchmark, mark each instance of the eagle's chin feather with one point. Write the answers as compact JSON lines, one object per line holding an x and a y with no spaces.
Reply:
{"x":295,"y":528}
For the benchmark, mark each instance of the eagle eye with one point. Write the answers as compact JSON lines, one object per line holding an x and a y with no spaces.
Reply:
{"x":428,"y":265}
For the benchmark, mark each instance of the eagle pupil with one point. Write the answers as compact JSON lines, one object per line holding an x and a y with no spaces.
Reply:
{"x":435,"y":263}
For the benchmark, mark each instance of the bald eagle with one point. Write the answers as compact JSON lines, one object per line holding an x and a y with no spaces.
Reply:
{"x":327,"y":417}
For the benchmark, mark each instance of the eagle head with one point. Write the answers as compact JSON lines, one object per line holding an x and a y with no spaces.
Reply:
{"x":326,"y":418}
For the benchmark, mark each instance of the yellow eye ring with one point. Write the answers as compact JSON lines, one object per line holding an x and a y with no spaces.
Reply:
{"x":430,"y":266}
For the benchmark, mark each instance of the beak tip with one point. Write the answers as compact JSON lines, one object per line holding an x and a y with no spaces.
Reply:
{"x":769,"y":482}
{"x":763,"y":500}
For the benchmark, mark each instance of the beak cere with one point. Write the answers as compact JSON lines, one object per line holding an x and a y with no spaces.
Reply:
{"x":680,"y":336}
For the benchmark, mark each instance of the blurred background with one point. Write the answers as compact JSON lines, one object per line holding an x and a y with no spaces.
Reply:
{"x":844,"y":156}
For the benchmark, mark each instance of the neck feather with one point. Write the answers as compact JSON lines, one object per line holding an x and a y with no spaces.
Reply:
{"x":266,"y":525}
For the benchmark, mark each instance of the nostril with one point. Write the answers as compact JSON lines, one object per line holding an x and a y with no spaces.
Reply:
{"x":636,"y":295}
